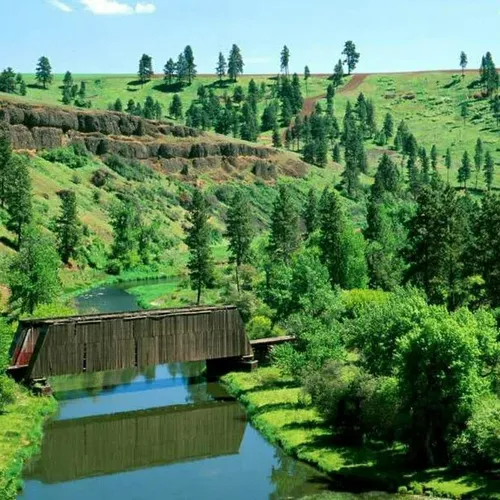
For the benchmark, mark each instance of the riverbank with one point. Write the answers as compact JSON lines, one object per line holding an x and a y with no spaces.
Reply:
{"x":278,"y":408}
{"x":21,"y":432}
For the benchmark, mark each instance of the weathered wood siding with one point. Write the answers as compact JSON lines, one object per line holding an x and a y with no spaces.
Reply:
{"x":95,"y":446}
{"x":115,"y":341}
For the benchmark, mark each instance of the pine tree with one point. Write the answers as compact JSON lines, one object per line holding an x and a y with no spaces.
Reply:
{"x":286,"y":112}
{"x":270,"y":117}
{"x":277,"y":143}
{"x":8,"y":81}
{"x":190,"y":65}
{"x":18,"y":196}
{"x":239,"y":231}
{"x":463,"y":62}
{"x":478,"y":158}
{"x":438,"y":239}
{"x":284,"y":237}
{"x":145,"y":72}
{"x":130,"y":106}
{"x":464,"y":172}
{"x":448,"y":161}
{"x":388,"y":125}
{"x":307,"y":75}
{"x":297,"y":101}
{"x":338,"y":74}
{"x":342,"y":250}
{"x":200,"y":263}
{"x":5,"y":162}
{"x":118,"y":106}
{"x":175,"y":108}
{"x":495,"y":109}
{"x":414,"y":179}
{"x":336,"y":156}
{"x":464,"y":111}
{"x":434,"y":157}
{"x":66,"y":96}
{"x":181,"y":68}
{"x":221,"y":67}
{"x":288,"y":138}
{"x":43,"y":72}
{"x":249,"y":126}
{"x":386,"y":178}
{"x":169,"y":71}
{"x":285,"y":60}
{"x":385,"y":238}
{"x":425,"y":167}
{"x":310,"y":212}
{"x":68,"y":227}
{"x":486,"y":252}
{"x":23,"y":88}
{"x":351,"y":56}
{"x":235,"y":63}
{"x":33,"y":276}
{"x":489,"y":170}
{"x":68,"y":79}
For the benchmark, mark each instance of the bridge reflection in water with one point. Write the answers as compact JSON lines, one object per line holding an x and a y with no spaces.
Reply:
{"x":107,"y":444}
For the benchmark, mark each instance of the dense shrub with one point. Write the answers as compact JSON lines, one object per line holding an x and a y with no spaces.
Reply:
{"x":479,"y":444}
{"x":132,"y":170}
{"x":355,"y":404}
{"x":74,"y":156}
{"x":100,"y":177}
{"x":260,"y":327}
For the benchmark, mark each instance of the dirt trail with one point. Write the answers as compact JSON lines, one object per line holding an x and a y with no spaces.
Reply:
{"x":352,"y":84}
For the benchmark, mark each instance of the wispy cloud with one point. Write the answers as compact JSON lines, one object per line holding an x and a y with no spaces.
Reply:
{"x":60,"y":5}
{"x":114,"y":7}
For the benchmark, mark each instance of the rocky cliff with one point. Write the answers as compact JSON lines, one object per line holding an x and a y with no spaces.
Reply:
{"x":35,"y":127}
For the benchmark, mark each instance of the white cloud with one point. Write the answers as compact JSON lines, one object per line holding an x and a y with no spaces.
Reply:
{"x":114,"y":7}
{"x":60,"y":5}
{"x":145,"y":8}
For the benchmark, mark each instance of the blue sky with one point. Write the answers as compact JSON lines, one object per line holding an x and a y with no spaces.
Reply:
{"x":109,"y":36}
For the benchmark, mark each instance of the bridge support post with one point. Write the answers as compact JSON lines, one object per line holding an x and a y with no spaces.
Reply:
{"x":218,"y":367}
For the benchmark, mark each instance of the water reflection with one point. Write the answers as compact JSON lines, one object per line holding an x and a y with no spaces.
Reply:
{"x":162,"y":432}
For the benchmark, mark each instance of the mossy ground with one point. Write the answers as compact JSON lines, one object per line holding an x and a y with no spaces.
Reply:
{"x":284,"y":415}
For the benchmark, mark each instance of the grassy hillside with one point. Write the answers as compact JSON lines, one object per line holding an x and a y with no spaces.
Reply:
{"x":430,"y":104}
{"x":428,"y":101}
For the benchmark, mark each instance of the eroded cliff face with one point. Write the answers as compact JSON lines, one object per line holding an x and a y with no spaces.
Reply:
{"x":34,"y":128}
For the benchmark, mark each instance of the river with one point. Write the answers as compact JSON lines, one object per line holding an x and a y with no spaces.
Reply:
{"x":161,"y":432}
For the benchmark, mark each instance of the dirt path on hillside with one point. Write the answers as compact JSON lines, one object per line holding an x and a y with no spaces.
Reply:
{"x":352,"y":84}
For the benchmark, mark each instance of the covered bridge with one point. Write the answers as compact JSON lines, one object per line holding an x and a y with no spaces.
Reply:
{"x":98,"y":342}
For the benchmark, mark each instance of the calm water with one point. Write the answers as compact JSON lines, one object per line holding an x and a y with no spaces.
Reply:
{"x":164,"y":432}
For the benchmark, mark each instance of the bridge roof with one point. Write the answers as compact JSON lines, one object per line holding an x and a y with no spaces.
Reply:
{"x":150,"y":313}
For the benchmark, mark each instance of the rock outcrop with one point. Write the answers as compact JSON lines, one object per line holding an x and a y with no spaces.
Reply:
{"x":36,"y":127}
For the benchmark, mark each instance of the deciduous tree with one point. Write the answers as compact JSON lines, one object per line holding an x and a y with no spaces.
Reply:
{"x":34,"y":273}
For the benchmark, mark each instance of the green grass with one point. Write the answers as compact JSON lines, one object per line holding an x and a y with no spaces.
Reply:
{"x":20,"y":437}
{"x":280,"y":411}
{"x":433,"y":116}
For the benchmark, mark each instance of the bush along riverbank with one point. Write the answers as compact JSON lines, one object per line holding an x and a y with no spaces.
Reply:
{"x":279,"y":408}
{"x":21,"y":432}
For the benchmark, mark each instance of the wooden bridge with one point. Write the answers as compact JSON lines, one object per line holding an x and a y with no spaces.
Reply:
{"x":77,"y":449}
{"x":98,"y":342}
